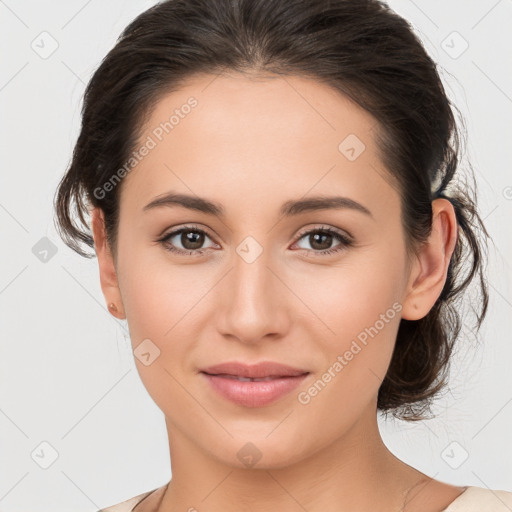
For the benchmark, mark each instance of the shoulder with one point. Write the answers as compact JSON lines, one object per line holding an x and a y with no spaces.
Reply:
{"x":477,"y":499}
{"x":128,"y":505}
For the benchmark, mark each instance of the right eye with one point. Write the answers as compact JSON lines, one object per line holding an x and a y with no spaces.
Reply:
{"x":191,"y":239}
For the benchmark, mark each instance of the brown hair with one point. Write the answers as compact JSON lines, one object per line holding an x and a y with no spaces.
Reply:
{"x":360,"y":48}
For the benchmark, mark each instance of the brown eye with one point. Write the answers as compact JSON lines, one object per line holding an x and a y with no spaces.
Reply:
{"x":186,"y":240}
{"x":192,"y":239}
{"x":321,"y":241}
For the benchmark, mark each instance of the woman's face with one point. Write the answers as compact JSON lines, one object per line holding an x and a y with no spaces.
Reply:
{"x":257,"y":286}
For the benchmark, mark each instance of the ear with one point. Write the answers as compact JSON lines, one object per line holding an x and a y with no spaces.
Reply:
{"x":430,"y":266}
{"x":108,"y":274}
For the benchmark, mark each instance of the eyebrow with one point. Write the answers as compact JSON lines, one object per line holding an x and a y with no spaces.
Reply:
{"x":288,"y":209}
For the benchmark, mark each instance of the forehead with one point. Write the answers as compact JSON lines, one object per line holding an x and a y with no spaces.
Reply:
{"x":260,"y":136}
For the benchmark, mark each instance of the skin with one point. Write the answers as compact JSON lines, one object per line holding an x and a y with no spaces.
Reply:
{"x":251,"y":144}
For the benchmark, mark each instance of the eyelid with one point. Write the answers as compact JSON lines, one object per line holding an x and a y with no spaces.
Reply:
{"x":323,"y":227}
{"x":192,"y":226}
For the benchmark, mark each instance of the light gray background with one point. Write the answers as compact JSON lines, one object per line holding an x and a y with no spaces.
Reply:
{"x":66,"y":371}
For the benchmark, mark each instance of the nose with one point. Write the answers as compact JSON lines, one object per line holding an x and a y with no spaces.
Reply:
{"x":253,"y":303}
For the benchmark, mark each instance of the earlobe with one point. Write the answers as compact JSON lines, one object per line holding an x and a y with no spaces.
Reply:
{"x":430,"y":268}
{"x":108,"y":275}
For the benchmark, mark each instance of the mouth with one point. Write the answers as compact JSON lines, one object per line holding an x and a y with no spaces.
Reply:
{"x":253,"y":386}
{"x":254,"y":379}
{"x":260,"y":371}
{"x":253,"y":392}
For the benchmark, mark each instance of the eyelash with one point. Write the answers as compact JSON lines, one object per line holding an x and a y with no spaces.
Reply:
{"x":345,"y":241}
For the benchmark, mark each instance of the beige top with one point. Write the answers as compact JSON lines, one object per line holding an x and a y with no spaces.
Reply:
{"x":473,"y":499}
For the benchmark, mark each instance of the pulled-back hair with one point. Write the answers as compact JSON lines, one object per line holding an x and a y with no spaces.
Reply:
{"x":360,"y":48}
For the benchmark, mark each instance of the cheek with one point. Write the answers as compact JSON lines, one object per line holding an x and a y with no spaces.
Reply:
{"x":358,"y":310}
{"x":159,"y":303}
{"x":353,"y":296}
{"x":158,"y":296}
{"x":165,"y":304}
{"x":150,"y":304}
{"x":358,"y":357}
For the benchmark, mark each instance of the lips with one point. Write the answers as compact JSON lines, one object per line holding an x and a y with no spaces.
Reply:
{"x":266,"y":370}
{"x":252,"y":393}
{"x":256,"y":385}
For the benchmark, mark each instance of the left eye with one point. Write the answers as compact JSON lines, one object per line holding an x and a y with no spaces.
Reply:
{"x":321,"y":239}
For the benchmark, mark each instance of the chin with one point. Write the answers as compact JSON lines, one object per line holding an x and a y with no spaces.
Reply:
{"x":260,"y":451}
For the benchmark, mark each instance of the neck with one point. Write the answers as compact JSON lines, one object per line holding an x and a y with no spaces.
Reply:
{"x":356,"y":472}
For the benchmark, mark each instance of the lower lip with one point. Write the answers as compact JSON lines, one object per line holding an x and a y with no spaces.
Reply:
{"x":255,"y":393}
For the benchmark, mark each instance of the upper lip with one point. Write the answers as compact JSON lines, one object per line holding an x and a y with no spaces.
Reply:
{"x":254,"y":371}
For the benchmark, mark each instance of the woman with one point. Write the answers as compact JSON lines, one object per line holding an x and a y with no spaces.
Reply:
{"x":273,"y":204}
